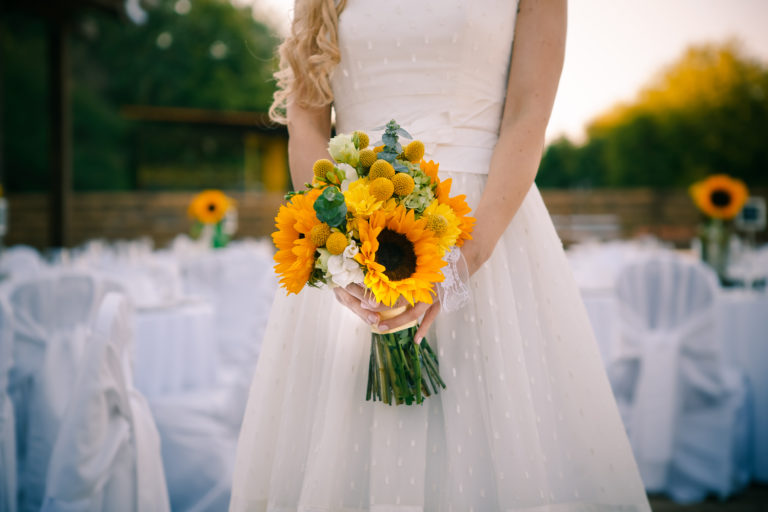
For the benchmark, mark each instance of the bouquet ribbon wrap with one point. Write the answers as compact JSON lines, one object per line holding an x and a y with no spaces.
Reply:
{"x":392,"y":313}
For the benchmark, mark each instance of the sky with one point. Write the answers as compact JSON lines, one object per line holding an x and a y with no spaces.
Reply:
{"x":615,"y":47}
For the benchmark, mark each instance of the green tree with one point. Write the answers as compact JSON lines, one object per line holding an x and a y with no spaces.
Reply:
{"x":204,"y":54}
{"x":707,"y":112}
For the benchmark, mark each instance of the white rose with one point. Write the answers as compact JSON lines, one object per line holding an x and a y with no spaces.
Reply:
{"x":343,"y":149}
{"x":350,"y":174}
{"x":344,"y":270}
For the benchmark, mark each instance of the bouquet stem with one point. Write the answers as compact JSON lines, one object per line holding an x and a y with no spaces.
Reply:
{"x":400,"y":369}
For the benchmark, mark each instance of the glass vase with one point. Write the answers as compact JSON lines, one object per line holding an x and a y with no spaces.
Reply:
{"x":715,"y":238}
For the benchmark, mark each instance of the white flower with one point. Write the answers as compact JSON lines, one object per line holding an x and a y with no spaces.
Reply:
{"x":344,"y":269}
{"x":351,"y":250}
{"x":322,"y":260}
{"x":350,"y":174}
{"x":343,"y":149}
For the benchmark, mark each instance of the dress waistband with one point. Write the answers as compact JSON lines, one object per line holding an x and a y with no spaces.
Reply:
{"x":461,"y":159}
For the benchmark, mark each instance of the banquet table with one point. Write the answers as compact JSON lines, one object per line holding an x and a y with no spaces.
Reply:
{"x":742,"y":328}
{"x":175,"y":348}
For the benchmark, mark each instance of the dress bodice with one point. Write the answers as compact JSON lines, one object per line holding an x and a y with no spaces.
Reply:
{"x":438,"y":67}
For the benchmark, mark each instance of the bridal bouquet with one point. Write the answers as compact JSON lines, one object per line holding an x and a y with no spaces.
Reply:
{"x":380,"y":217}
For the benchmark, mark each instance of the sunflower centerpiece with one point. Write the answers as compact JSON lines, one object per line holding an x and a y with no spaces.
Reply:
{"x":379,"y":217}
{"x":719,"y":198}
{"x":214,"y":217}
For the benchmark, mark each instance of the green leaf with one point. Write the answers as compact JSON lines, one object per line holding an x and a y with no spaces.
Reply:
{"x":330,"y":207}
{"x":389,"y":156}
{"x":389,"y":139}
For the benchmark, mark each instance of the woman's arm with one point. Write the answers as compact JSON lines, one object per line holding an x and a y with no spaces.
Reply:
{"x":308,"y":134}
{"x":537,"y":60}
{"x":534,"y":73}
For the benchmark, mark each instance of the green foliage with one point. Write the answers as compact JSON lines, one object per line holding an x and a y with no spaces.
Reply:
{"x":24,"y":108}
{"x":330,"y":207}
{"x":392,"y":147}
{"x":706,"y":113}
{"x":216,"y":56}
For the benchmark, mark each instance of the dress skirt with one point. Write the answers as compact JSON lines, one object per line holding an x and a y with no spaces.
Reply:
{"x":527,"y":421}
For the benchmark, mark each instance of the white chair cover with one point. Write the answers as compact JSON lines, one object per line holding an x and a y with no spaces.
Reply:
{"x":51,"y":317}
{"x":669,"y":369}
{"x":238,"y":281}
{"x":7,"y":422}
{"x":199,"y":440}
{"x":107,"y":453}
{"x":20,"y":261}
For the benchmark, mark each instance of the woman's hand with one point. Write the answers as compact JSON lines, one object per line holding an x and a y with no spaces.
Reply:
{"x":362,"y":302}
{"x":412,"y":313}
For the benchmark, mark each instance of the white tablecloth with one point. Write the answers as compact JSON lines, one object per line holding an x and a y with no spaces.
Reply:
{"x":743,"y":329}
{"x":175,"y":349}
{"x":743,"y":325}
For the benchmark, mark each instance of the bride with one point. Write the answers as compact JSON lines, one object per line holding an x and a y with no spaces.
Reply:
{"x":527,"y":421}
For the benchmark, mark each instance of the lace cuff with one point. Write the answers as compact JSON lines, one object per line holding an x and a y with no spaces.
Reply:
{"x":453,"y":292}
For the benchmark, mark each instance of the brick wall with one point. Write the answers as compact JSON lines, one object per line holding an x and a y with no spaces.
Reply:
{"x":125,"y":215}
{"x":669,"y":215}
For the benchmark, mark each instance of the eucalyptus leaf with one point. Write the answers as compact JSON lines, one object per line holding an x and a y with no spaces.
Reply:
{"x":399,"y":167}
{"x":388,"y":156}
{"x":330,"y":207}
{"x":404,"y":133}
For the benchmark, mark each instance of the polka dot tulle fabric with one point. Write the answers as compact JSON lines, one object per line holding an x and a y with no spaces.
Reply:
{"x":527,"y":421}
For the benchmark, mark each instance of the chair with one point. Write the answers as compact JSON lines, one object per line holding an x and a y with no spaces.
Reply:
{"x":21,"y":260}
{"x":684,"y":409}
{"x":107,"y":453}
{"x":7,"y":422}
{"x":51,"y":318}
{"x":199,"y":443}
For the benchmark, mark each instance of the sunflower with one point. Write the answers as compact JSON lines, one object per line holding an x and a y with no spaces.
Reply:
{"x":400,"y":256}
{"x":457,"y":203}
{"x":444,"y":223}
{"x":295,"y":256}
{"x":209,"y":206}
{"x":719,"y":196}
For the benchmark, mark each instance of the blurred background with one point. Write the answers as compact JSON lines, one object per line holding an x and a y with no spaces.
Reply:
{"x":116,"y":114}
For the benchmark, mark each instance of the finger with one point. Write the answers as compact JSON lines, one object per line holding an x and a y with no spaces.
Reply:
{"x":365,"y":296}
{"x":429,"y":318}
{"x":409,"y":315}
{"x":352,"y":303}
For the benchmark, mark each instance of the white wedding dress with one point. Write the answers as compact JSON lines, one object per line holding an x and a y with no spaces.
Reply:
{"x":527,"y":421}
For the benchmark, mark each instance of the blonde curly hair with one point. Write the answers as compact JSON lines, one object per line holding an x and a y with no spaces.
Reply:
{"x":307,"y":57}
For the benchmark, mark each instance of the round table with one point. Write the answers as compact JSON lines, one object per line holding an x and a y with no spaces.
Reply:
{"x":175,"y":348}
{"x":743,"y":327}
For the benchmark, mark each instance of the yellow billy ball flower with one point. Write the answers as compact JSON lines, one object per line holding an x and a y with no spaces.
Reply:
{"x":436,"y":224}
{"x":414,"y":151}
{"x":403,"y":184}
{"x":336,"y":243}
{"x":382,"y":189}
{"x":367,"y":158}
{"x":381,"y":169}
{"x":362,"y":139}
{"x":322,"y":167}
{"x":319,"y":234}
